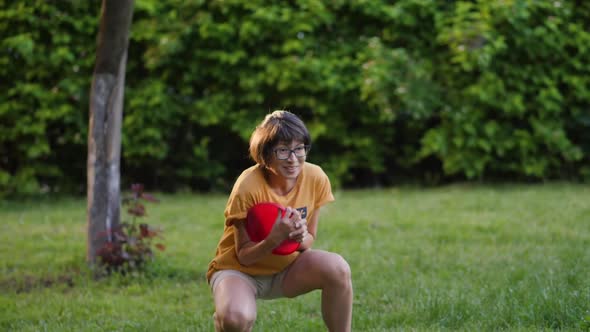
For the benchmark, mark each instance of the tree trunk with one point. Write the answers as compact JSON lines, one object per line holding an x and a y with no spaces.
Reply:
{"x":104,"y":131}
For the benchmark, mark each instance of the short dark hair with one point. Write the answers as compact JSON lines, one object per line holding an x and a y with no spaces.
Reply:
{"x":278,"y":126}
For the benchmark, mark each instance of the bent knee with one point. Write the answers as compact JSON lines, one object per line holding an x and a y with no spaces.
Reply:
{"x":339,"y":270}
{"x":234,"y":320}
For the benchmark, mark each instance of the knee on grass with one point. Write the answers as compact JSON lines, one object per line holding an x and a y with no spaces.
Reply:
{"x":338,"y":271}
{"x":234,"y":320}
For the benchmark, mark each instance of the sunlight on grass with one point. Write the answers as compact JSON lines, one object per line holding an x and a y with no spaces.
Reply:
{"x":460,"y":257}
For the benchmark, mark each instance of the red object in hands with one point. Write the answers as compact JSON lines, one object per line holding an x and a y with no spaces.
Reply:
{"x":259,"y":221}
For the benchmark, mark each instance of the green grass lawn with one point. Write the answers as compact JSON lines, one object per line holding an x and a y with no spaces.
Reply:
{"x":461,"y":257}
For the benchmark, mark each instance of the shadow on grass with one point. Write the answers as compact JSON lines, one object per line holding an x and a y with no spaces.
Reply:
{"x":83,"y":276}
{"x":29,"y":283}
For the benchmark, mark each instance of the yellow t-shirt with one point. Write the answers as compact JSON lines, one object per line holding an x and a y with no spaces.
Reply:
{"x":311,"y":191}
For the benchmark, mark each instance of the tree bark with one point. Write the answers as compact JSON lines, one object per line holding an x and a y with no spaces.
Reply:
{"x":104,"y":130}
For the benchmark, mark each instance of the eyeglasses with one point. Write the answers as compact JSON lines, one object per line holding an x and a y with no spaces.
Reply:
{"x":285,"y":153}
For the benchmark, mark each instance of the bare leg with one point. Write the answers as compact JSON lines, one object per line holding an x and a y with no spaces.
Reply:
{"x":317,"y":269}
{"x":235,"y":305}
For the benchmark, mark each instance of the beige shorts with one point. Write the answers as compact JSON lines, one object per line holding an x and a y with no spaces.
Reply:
{"x":264,"y":287}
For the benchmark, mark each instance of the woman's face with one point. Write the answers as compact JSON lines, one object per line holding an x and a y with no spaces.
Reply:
{"x":288,"y":159}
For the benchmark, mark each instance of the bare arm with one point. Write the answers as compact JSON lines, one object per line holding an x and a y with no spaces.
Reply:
{"x":311,"y":228}
{"x":250,"y":252}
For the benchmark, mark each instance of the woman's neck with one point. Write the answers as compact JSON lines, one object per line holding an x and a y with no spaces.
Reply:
{"x":280,"y":185}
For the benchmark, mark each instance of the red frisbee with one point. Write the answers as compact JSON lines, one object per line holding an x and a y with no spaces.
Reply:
{"x":259,"y":221}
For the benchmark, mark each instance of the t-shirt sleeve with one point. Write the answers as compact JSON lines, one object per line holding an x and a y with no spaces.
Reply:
{"x":237,"y":207}
{"x":323,"y":190}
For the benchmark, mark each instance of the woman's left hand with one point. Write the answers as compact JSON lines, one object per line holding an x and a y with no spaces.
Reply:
{"x":300,"y":232}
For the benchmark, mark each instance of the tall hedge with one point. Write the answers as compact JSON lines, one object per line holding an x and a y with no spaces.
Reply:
{"x":47,"y":54}
{"x":417,"y":88}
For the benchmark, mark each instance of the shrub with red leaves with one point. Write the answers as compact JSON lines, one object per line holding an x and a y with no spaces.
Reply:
{"x":131,"y":244}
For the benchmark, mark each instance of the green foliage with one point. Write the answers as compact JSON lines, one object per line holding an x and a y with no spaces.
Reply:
{"x":46,"y":59}
{"x":515,"y":100}
{"x":130,"y":245}
{"x":462,"y":89}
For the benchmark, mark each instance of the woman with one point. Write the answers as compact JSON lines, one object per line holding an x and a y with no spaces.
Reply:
{"x":242,"y":270}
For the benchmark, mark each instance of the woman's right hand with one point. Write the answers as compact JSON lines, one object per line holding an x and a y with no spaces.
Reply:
{"x":283,"y":226}
{"x":249,"y":252}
